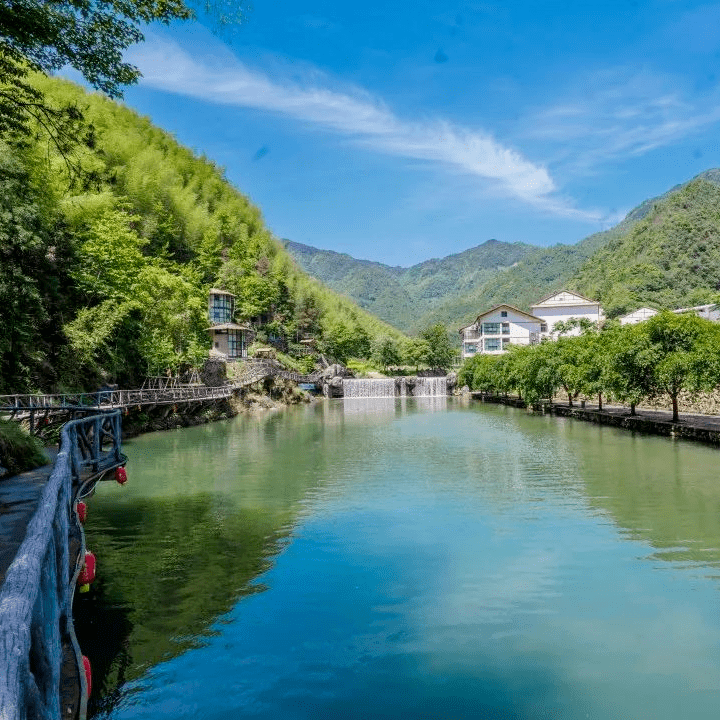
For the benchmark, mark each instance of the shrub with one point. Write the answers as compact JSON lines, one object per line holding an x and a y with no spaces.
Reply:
{"x":19,"y":451}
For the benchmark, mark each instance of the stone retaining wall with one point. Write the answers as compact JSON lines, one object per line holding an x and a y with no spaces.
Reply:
{"x":689,"y":428}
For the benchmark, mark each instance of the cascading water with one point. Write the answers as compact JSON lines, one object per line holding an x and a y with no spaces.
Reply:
{"x":395,"y":387}
{"x":383,"y":388}
{"x":431,"y":387}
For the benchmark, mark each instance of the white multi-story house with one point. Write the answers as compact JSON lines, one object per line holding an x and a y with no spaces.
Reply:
{"x":564,"y":305}
{"x":495,"y":329}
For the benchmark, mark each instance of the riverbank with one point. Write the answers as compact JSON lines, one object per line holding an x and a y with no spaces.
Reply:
{"x":267,"y":394}
{"x":702,"y":428}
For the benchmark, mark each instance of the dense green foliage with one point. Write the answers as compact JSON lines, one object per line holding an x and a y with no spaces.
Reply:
{"x":660,"y":357}
{"x":109,"y":279}
{"x":19,"y":451}
{"x":439,"y":350}
{"x":39,"y":35}
{"x":408,"y":297}
{"x":664,"y":254}
{"x":669,"y":259}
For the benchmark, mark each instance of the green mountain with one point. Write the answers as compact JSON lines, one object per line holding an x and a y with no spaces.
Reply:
{"x":409,"y":297}
{"x":665,"y":253}
{"x":108,"y":250}
{"x":668,"y":259}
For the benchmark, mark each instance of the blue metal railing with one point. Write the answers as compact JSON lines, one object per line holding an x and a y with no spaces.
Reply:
{"x":36,"y":625}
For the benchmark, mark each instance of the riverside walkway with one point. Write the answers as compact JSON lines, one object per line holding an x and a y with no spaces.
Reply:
{"x":42,"y":549}
{"x":690,"y":426}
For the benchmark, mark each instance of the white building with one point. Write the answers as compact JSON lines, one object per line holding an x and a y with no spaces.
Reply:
{"x":637,"y":316}
{"x":564,"y":305}
{"x":709,"y":312}
{"x":495,"y":329}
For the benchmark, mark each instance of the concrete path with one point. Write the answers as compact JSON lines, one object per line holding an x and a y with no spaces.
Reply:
{"x":19,"y":496}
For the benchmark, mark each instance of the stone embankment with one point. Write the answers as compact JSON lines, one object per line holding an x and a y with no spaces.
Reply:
{"x":691,"y":426}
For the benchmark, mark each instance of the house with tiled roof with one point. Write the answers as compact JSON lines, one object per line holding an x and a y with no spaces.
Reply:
{"x":495,"y":329}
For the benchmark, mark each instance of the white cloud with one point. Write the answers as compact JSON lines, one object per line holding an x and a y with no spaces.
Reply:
{"x":619,"y":113}
{"x":355,"y":114}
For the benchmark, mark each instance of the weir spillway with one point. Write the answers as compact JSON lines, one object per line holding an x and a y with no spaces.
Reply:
{"x":395,"y":387}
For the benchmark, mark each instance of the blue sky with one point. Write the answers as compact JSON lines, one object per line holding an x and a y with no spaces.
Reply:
{"x":408,"y":130}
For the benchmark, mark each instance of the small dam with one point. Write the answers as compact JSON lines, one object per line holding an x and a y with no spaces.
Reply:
{"x":396,"y":387}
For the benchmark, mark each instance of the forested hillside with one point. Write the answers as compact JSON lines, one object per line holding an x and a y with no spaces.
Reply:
{"x":669,"y":259}
{"x":408,"y":297}
{"x":664,"y":254}
{"x":109,"y":249}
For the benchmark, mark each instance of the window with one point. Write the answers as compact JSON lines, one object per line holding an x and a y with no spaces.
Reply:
{"x":491,"y":328}
{"x":492,"y":344}
{"x":543,"y":327}
{"x":470,"y":348}
{"x":506,"y":328}
{"x":234,"y":344}
{"x":505,"y":342}
{"x":221,"y":309}
{"x":503,"y":313}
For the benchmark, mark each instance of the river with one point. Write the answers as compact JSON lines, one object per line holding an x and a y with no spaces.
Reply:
{"x":418,"y":559}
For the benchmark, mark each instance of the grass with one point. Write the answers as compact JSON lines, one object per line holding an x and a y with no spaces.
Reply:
{"x":19,"y":451}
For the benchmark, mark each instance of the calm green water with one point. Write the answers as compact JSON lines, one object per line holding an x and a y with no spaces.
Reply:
{"x":407,"y":559}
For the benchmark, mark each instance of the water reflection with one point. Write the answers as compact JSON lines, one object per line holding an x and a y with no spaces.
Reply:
{"x":405,"y":559}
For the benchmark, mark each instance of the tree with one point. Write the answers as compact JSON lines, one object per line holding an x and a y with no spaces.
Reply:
{"x":46,"y":35}
{"x":440,"y":350}
{"x":479,"y":372}
{"x":536,"y":369}
{"x":387,"y":352}
{"x":685,"y":350}
{"x":36,"y":291}
{"x":629,"y":364}
{"x":593,"y":362}
{"x":570,"y":367}
{"x":416,"y":352}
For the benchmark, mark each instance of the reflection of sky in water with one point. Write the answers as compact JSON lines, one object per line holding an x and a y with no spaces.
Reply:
{"x":468,"y":565}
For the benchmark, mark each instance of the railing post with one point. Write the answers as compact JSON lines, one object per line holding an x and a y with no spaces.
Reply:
{"x":97,"y":430}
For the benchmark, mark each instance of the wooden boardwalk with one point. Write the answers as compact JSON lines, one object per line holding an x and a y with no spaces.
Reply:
{"x":38,"y":409}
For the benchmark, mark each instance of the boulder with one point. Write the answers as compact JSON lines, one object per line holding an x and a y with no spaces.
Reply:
{"x":214,"y":372}
{"x":336,"y":370}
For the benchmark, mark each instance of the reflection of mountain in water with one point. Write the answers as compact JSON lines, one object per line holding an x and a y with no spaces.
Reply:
{"x":203,"y":515}
{"x":170,"y":567}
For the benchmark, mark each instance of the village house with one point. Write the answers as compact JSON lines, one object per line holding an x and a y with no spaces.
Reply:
{"x":708,"y":312}
{"x":503,"y":325}
{"x":229,"y":339}
{"x":495,"y":329}
{"x":564,"y":305}
{"x":637,"y":316}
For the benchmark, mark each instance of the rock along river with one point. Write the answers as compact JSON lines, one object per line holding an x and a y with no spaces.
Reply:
{"x":411,"y":558}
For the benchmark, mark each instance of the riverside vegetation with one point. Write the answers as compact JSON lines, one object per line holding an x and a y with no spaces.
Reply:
{"x":105,"y":273}
{"x":663,"y":356}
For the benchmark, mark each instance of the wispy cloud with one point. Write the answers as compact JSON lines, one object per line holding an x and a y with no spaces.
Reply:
{"x":623,"y":112}
{"x":357,"y":115}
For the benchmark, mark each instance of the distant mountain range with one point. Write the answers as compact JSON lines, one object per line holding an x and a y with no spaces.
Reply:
{"x":665,"y":253}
